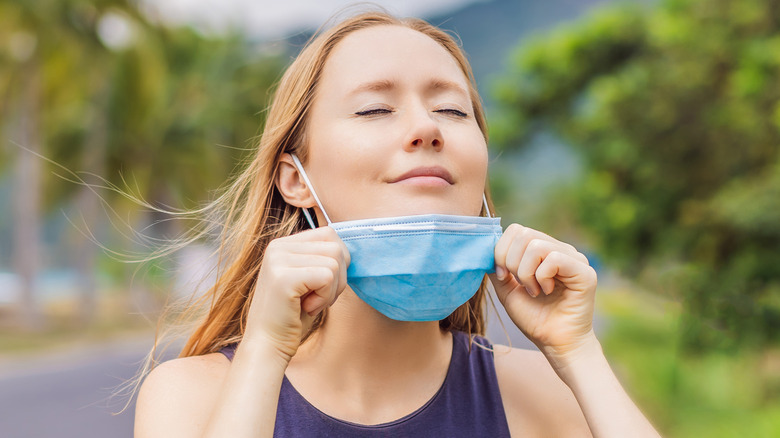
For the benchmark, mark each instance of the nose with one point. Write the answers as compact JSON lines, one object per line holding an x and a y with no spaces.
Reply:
{"x":423,"y":131}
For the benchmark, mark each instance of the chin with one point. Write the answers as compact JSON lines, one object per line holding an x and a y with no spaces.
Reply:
{"x":429,"y":208}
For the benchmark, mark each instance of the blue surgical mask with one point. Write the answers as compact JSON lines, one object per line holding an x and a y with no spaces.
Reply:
{"x":416,"y":268}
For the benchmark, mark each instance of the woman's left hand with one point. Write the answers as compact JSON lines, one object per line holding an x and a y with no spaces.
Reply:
{"x":547,"y":288}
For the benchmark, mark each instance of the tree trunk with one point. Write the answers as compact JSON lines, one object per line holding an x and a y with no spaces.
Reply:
{"x":88,"y":209}
{"x":141,"y":299}
{"x":27,"y":196}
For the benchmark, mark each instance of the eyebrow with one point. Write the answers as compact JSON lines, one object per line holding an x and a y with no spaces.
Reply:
{"x":388,"y":85}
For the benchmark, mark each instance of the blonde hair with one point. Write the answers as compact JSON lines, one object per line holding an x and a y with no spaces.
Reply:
{"x":252,"y":212}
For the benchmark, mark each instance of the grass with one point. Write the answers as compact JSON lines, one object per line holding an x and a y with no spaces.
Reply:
{"x":713,"y":394}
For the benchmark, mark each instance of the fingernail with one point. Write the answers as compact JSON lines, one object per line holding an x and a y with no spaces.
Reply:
{"x":500,"y":272}
{"x":528,"y":291}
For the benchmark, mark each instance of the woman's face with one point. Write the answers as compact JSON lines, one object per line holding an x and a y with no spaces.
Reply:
{"x":392,"y":131}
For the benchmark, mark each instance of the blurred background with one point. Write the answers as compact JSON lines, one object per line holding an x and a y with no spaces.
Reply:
{"x":646,"y":133}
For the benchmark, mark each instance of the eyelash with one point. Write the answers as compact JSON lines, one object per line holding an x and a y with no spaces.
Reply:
{"x":373,"y":112}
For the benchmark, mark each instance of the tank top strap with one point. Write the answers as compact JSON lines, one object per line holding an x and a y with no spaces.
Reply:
{"x":471,"y":394}
{"x":229,"y":350}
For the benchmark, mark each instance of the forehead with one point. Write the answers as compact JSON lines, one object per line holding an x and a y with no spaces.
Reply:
{"x":389,"y":52}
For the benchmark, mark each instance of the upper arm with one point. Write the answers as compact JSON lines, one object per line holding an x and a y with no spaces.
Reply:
{"x":178,"y":396}
{"x":536,"y":401}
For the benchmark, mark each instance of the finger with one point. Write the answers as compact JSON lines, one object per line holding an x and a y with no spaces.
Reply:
{"x":512,"y":246}
{"x":336,"y":263}
{"x":515,"y":245}
{"x":535,"y":252}
{"x":308,"y":260}
{"x":322,"y":242}
{"x":567,"y":269}
{"x":505,"y":289}
{"x":313,"y":304}
{"x":325,"y":233}
{"x":345,"y":253}
{"x":329,"y":294}
{"x":502,"y":249}
{"x":330,"y":249}
{"x":522,"y":264}
{"x":583,"y":258}
{"x":516,"y":233}
{"x":342,"y":278}
{"x":317,"y":288}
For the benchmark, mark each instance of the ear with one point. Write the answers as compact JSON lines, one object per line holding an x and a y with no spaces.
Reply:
{"x":291,"y":184}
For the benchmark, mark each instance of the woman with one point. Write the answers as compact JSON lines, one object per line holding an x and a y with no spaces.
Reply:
{"x":379,"y":118}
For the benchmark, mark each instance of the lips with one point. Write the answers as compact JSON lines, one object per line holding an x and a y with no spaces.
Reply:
{"x":432,"y":171}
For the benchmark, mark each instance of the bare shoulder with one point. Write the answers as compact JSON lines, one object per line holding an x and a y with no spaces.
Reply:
{"x":536,"y":401}
{"x":177,"y":396}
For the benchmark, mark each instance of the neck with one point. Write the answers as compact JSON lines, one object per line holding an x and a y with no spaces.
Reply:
{"x":360,"y":351}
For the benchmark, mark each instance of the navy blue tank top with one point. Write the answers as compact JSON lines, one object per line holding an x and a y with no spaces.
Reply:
{"x":468,"y":404}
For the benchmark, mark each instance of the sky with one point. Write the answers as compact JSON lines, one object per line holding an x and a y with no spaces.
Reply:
{"x":271,"y":19}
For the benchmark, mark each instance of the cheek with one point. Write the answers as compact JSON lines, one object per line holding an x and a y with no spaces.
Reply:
{"x":481,"y":156}
{"x":344,"y":160}
{"x":475,"y":158}
{"x":479,"y":172}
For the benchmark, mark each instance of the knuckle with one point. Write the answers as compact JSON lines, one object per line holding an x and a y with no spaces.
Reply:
{"x":270,"y":275}
{"x":527,"y":278}
{"x":332,"y":264}
{"x":514,"y":227}
{"x":556,"y":256}
{"x":272,"y":246}
{"x":529,"y":235}
{"x":535,"y":245}
{"x":333,"y":249}
{"x":512,"y":260}
{"x":327,"y":275}
{"x":347,"y":257}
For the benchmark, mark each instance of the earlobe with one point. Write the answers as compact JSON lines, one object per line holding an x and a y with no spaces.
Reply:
{"x":290,"y":184}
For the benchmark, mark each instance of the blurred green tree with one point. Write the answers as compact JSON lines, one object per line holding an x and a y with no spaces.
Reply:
{"x":98,"y":88}
{"x":675,"y":112}
{"x":40,"y":81}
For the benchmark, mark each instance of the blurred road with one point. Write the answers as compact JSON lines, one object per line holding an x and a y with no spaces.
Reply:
{"x":68,"y":394}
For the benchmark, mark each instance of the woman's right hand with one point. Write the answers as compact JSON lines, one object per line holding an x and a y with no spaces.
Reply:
{"x":301,"y":275}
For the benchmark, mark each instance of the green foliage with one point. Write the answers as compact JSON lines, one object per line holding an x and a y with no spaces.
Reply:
{"x":162,"y":115}
{"x":182,"y":110}
{"x":710,"y":394}
{"x":172,"y":112}
{"x":675,"y":113}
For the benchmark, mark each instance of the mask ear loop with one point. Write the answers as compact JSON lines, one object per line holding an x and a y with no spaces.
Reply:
{"x":487,"y":209}
{"x":311,"y":187}
{"x":317,"y":199}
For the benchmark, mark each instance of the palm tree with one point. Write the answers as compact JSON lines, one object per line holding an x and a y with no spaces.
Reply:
{"x":46,"y":88}
{"x":24,"y":93}
{"x":153,"y":111}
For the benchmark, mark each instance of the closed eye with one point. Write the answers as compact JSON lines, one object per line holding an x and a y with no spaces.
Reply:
{"x":373,"y":112}
{"x":377,"y":111}
{"x":454,"y":112}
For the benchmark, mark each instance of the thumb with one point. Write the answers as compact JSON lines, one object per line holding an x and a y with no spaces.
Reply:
{"x":504,"y":283}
